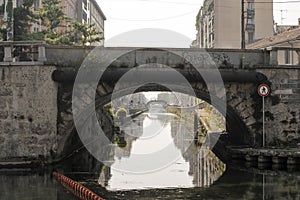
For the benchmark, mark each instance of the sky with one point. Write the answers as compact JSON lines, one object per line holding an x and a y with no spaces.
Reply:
{"x":174,"y":15}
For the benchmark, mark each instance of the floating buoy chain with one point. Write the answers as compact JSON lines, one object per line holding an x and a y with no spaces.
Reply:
{"x":76,"y":188}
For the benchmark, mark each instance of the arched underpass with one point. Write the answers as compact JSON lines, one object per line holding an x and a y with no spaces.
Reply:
{"x":238,"y":108}
{"x":238,"y":133}
{"x":240,"y":87}
{"x":83,"y":157}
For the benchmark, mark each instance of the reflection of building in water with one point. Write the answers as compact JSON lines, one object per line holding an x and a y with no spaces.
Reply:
{"x":105,"y":175}
{"x":205,"y":167}
{"x":131,"y":132}
{"x":133,"y":101}
{"x":195,"y":167}
{"x":214,"y":120}
{"x":183,"y":136}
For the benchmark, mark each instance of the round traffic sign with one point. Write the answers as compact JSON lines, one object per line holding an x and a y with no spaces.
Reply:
{"x":263,"y":90}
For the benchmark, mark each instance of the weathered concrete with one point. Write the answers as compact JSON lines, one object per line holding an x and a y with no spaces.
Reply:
{"x":28,"y":115}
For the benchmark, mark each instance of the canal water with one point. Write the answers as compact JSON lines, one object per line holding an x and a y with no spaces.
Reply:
{"x":160,"y":161}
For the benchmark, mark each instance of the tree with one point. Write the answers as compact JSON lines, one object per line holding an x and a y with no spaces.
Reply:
{"x":52,"y":15}
{"x":84,"y":34}
{"x":7,"y":22}
{"x":23,"y":19}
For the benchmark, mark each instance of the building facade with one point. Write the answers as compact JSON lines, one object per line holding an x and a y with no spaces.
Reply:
{"x":84,"y":11}
{"x":288,"y":40}
{"x":89,"y":12}
{"x":219,"y":23}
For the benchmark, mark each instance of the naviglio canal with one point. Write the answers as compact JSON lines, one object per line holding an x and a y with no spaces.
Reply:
{"x":159,"y":161}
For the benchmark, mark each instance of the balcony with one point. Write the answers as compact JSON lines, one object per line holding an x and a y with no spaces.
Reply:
{"x":250,"y":13}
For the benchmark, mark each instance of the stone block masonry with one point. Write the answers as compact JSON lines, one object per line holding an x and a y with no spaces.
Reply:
{"x":283,"y":107}
{"x":28,"y":112}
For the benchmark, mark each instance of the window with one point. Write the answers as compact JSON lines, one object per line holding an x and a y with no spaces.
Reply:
{"x":250,"y":5}
{"x":36,"y":5}
{"x":36,"y":27}
{"x":287,"y":57}
{"x":84,"y":4}
{"x":84,"y":16}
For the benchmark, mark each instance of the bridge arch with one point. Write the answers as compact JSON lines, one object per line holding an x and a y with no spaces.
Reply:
{"x":239,"y":134}
{"x":240,"y":86}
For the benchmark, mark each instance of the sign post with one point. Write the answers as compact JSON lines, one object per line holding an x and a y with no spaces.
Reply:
{"x":263,"y":91}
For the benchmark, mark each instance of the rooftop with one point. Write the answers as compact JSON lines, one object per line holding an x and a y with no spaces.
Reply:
{"x":281,"y":38}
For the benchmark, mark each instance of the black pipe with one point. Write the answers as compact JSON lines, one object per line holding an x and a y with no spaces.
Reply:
{"x":111,"y":76}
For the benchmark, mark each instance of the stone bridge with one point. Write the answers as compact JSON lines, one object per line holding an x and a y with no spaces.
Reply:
{"x":36,"y":96}
{"x":160,"y":102}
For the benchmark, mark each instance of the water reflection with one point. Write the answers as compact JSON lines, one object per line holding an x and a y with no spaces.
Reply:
{"x":30,"y":185}
{"x":160,"y":153}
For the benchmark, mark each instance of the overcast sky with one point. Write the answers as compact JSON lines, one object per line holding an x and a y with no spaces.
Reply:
{"x":175,"y":15}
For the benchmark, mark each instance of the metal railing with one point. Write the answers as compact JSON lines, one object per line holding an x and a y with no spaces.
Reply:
{"x":18,"y":52}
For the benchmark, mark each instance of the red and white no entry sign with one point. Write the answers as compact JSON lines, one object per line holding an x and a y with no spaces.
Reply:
{"x":263,"y":90}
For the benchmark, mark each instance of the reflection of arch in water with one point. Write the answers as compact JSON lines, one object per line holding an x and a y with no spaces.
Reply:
{"x":238,"y":131}
{"x":235,"y":126}
{"x":160,"y":102}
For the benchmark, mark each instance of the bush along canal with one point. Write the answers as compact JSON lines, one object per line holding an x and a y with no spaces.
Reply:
{"x":153,"y":156}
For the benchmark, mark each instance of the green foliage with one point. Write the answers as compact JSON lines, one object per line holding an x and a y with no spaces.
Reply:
{"x":79,"y":34}
{"x":52,"y":15}
{"x":52,"y":18}
{"x":83,"y":34}
{"x":121,"y":113}
{"x":23,"y":17}
{"x":6,"y":26}
{"x":121,"y":142}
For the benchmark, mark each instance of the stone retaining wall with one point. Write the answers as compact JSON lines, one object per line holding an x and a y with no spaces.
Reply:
{"x":28,"y":112}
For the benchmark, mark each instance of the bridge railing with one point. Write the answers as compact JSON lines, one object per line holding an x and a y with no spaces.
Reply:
{"x":284,"y":56}
{"x":23,"y":52}
{"x":34,"y":53}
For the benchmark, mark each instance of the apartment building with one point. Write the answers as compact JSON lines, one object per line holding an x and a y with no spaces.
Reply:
{"x":84,"y":11}
{"x":288,"y":39}
{"x":219,"y":23}
{"x":89,"y":12}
